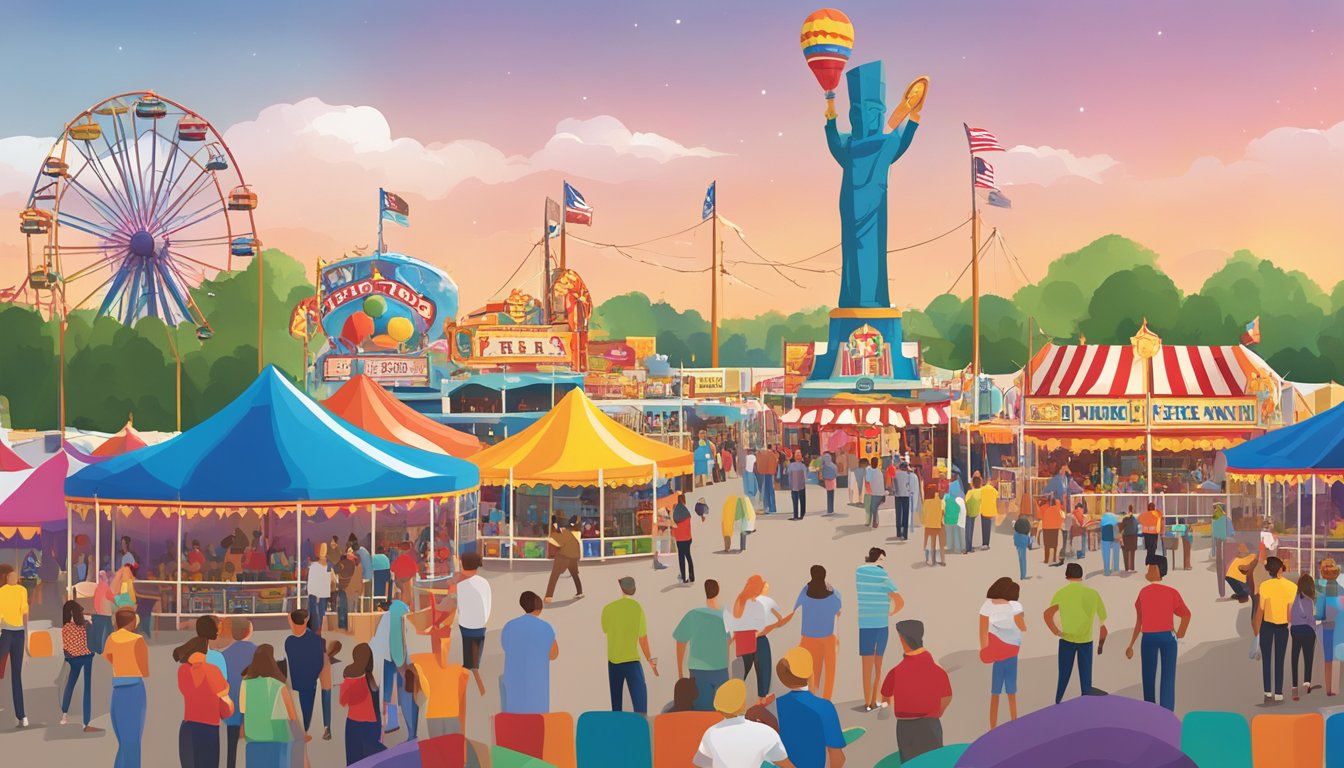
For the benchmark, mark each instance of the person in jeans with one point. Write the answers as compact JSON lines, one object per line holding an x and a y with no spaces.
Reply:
{"x":1270,"y":624}
{"x":797,"y":474}
{"x":1155,"y":613}
{"x":1302,"y":630}
{"x":1022,"y":542}
{"x":1220,"y":528}
{"x":681,"y":533}
{"x":1110,"y":542}
{"x":874,"y":490}
{"x":702,"y":633}
{"x":262,"y":687}
{"x":304,"y":653}
{"x":359,"y":694}
{"x":753,"y":616}
{"x":973,"y":511}
{"x":767,"y":464}
{"x":1129,"y":538}
{"x":75,"y":644}
{"x":319,"y":591}
{"x":829,"y":473}
{"x":128,"y":654}
{"x":919,"y":692}
{"x":908,"y":497}
{"x":14,"y":634}
{"x":627,"y":637}
{"x":1327,"y":610}
{"x":237,"y":648}
{"x":1075,"y":606}
{"x":205,"y":699}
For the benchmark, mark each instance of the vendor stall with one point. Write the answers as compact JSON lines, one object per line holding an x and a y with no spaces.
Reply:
{"x":875,"y":428}
{"x":577,"y":462}
{"x":225,"y":517}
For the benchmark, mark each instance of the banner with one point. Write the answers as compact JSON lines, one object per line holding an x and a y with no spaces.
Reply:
{"x":799,"y":358}
{"x":392,"y":289}
{"x":508,"y":344}
{"x":707,"y":381}
{"x":1095,"y":412}
{"x":382,"y":367}
{"x":1229,"y":411}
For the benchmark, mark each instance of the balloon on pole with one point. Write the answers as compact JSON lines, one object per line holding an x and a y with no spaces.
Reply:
{"x":827,"y":40}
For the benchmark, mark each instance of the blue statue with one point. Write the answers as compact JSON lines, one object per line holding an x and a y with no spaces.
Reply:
{"x":865,"y":155}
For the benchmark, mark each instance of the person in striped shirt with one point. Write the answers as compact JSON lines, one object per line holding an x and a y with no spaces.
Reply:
{"x":878,"y":601}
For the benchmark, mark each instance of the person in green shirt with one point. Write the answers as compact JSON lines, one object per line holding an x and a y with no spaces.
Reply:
{"x":1075,"y":606}
{"x":954,"y":510}
{"x":701,"y":631}
{"x":627,"y":636}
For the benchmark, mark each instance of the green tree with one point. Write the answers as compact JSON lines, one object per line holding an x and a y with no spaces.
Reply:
{"x":1125,"y":299}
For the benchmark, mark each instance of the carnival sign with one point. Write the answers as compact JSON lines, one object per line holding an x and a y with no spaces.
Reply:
{"x":383,"y":304}
{"x":339,"y":368}
{"x":405,"y":294}
{"x":509,"y":344}
{"x":1237,"y":411}
{"x":1075,"y":412}
{"x":710,"y":381}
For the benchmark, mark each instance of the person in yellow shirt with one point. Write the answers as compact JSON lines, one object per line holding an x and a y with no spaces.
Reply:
{"x":129,"y":656}
{"x":989,"y":510}
{"x":442,"y":688}
{"x":1270,"y":623}
{"x":1236,"y":573}
{"x":13,"y":633}
{"x":935,"y":539}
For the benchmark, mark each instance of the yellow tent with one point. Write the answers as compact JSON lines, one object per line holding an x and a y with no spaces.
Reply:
{"x":577,"y":444}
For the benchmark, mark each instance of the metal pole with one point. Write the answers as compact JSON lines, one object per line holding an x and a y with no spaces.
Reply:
{"x":601,"y":514}
{"x":97,"y":539}
{"x":373,"y":537}
{"x":511,"y":499}
{"x":298,"y":556}
{"x":261,"y":312}
{"x":1313,"y":528}
{"x":433,"y":506}
{"x":69,"y":556}
{"x":178,"y":601}
{"x":714,"y":286}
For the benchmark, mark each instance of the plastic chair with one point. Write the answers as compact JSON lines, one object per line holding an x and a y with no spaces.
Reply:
{"x":449,"y":751}
{"x":1334,"y":740}
{"x":614,"y":740}
{"x":559,"y":742}
{"x":676,"y":736}
{"x":1279,"y":740}
{"x":943,"y":757}
{"x":507,"y":758}
{"x":525,"y":734}
{"x":39,"y":645}
{"x":1217,"y":739}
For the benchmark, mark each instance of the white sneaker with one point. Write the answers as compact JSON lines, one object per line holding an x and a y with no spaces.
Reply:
{"x":1278,"y":697}
{"x":65,"y":719}
{"x":23,"y":723}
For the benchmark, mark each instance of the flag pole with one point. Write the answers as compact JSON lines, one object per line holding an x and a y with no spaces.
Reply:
{"x":380,"y":220}
{"x":564,"y":214}
{"x":975,"y":305}
{"x":714,"y":283}
{"x":546,"y":262}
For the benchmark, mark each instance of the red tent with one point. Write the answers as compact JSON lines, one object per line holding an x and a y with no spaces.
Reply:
{"x":10,"y":461}
{"x":125,"y":441}
{"x":362,"y":402}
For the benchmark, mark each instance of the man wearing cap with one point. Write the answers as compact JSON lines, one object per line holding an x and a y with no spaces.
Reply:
{"x":627,"y":637}
{"x":738,"y":742}
{"x":919,"y":692}
{"x":809,"y":724}
{"x":701,"y":631}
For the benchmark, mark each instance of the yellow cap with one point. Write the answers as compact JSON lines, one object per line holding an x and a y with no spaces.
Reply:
{"x":731,"y":698}
{"x":800,"y":662}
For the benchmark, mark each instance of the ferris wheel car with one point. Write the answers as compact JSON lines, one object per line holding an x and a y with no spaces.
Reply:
{"x":43,"y":278}
{"x":204,"y":332}
{"x":55,"y":167}
{"x":33,"y":225}
{"x":242,"y":199}
{"x":151,"y":107}
{"x":244,"y":246}
{"x":86,"y":131}
{"x":191,"y":129}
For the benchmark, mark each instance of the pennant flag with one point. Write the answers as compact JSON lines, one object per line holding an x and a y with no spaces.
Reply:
{"x":982,"y":140}
{"x":707,"y":209}
{"x":997,"y":199}
{"x":984,"y":174}
{"x":303,"y":321}
{"x":554,"y":217}
{"x":1252,"y":333}
{"x":577,"y":210}
{"x":552,"y":230}
{"x":394,"y":208}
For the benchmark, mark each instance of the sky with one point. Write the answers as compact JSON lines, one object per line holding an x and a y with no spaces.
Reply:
{"x":1196,"y":128}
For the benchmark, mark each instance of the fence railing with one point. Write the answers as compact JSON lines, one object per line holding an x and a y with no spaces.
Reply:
{"x":1187,"y":508}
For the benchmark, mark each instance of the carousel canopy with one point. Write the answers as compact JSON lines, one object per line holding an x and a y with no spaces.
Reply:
{"x":571,"y":443}
{"x":272,"y":445}
{"x":1311,"y":448}
{"x":362,"y":402}
{"x":125,"y":441}
{"x":11,"y":461}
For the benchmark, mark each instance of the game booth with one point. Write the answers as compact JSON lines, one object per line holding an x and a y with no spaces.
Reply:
{"x":224,"y":518}
{"x":1142,"y":420}
{"x":576,"y":462}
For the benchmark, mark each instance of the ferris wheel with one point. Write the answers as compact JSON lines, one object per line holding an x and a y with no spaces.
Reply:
{"x":141,"y":199}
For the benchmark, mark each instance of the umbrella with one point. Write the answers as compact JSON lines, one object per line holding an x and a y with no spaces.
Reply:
{"x":738,"y":508}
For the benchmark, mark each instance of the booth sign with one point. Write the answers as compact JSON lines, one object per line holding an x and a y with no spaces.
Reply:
{"x":520,"y":344}
{"x":1232,"y":411}
{"x":710,"y":381}
{"x":1093,"y":412}
{"x":338,"y":367}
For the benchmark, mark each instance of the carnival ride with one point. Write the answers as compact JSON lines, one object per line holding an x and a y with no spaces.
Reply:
{"x":141,"y":197}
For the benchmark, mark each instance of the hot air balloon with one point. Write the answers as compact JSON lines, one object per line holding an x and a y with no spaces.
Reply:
{"x":827,"y":39}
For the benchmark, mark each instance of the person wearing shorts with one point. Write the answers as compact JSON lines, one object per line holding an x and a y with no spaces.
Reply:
{"x":878,"y":601}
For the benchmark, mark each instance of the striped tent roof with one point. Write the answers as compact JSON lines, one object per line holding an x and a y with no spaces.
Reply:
{"x":1115,"y":371}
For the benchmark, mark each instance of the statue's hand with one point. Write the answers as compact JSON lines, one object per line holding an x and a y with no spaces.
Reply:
{"x":830,"y":109}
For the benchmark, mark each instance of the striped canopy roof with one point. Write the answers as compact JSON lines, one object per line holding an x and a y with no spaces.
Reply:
{"x":1115,"y":371}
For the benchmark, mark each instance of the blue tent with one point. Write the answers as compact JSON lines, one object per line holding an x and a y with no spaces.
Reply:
{"x":272,"y":445}
{"x":1314,"y":447}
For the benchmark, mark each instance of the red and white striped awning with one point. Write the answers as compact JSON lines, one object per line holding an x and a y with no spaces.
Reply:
{"x":1115,"y":371}
{"x":899,"y":416}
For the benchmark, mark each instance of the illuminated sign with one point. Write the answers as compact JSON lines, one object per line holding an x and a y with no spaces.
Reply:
{"x":392,"y":289}
{"x":338,"y":368}
{"x":1222,"y":411}
{"x":497,"y":345}
{"x":1075,"y":412}
{"x":1240,"y":411}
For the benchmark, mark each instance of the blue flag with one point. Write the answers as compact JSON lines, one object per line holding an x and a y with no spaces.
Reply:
{"x":707,"y":209}
{"x":394,"y":208}
{"x":997,"y":199}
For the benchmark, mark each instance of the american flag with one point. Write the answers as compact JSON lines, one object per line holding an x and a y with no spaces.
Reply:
{"x":982,"y":140}
{"x":984,"y":174}
{"x":577,"y":210}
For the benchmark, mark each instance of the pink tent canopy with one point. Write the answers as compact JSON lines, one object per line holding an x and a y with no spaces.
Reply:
{"x":10,"y":461}
{"x":38,"y":496}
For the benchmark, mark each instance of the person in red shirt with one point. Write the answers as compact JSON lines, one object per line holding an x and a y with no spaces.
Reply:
{"x":405,"y":566}
{"x":681,"y":533}
{"x":363,"y":732}
{"x":205,"y":699}
{"x":1155,"y":613}
{"x":919,"y":692}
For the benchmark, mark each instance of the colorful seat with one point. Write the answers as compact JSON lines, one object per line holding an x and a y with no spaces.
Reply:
{"x":525,"y":734}
{"x":943,"y":757}
{"x":449,"y":751}
{"x":890,"y":761}
{"x":559,"y":746}
{"x":501,"y":757}
{"x":39,"y":645}
{"x":614,"y":740}
{"x":1217,"y":739}
{"x":1279,"y":740}
{"x":676,"y":736}
{"x":1334,"y":741}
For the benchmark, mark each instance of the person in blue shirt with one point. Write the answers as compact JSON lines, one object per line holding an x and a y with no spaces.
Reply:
{"x":808,"y":724}
{"x":382,"y":578}
{"x":878,"y":600}
{"x":392,"y":628}
{"x":1110,"y":542}
{"x":304,"y":659}
{"x":1222,"y":532}
{"x":237,"y":648}
{"x":821,"y":606}
{"x":529,"y":648}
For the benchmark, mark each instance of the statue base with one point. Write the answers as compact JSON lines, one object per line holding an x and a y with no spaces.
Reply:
{"x":865,"y":354}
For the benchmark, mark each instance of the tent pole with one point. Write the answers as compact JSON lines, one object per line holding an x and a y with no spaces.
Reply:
{"x":511,"y":499}
{"x":373,"y":542}
{"x":178,"y":603}
{"x":298,"y":556}
{"x":1313,"y":527}
{"x":112,"y":545}
{"x":97,"y":538}
{"x":602,"y":513}
{"x":433,"y":505}
{"x":69,"y":556}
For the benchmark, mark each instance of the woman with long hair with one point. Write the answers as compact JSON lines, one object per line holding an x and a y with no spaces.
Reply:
{"x":1302,"y":630}
{"x":263,"y":693}
{"x":75,"y":643}
{"x":205,"y":700}
{"x":359,"y":695}
{"x":752,"y":617}
{"x":1002,"y":623}
{"x":821,"y":606}
{"x":104,"y":603}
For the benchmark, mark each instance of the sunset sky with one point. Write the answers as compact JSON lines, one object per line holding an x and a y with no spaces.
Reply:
{"x":1196,"y":127}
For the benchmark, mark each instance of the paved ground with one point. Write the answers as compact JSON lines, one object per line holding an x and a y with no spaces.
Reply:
{"x":1214,"y":671}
